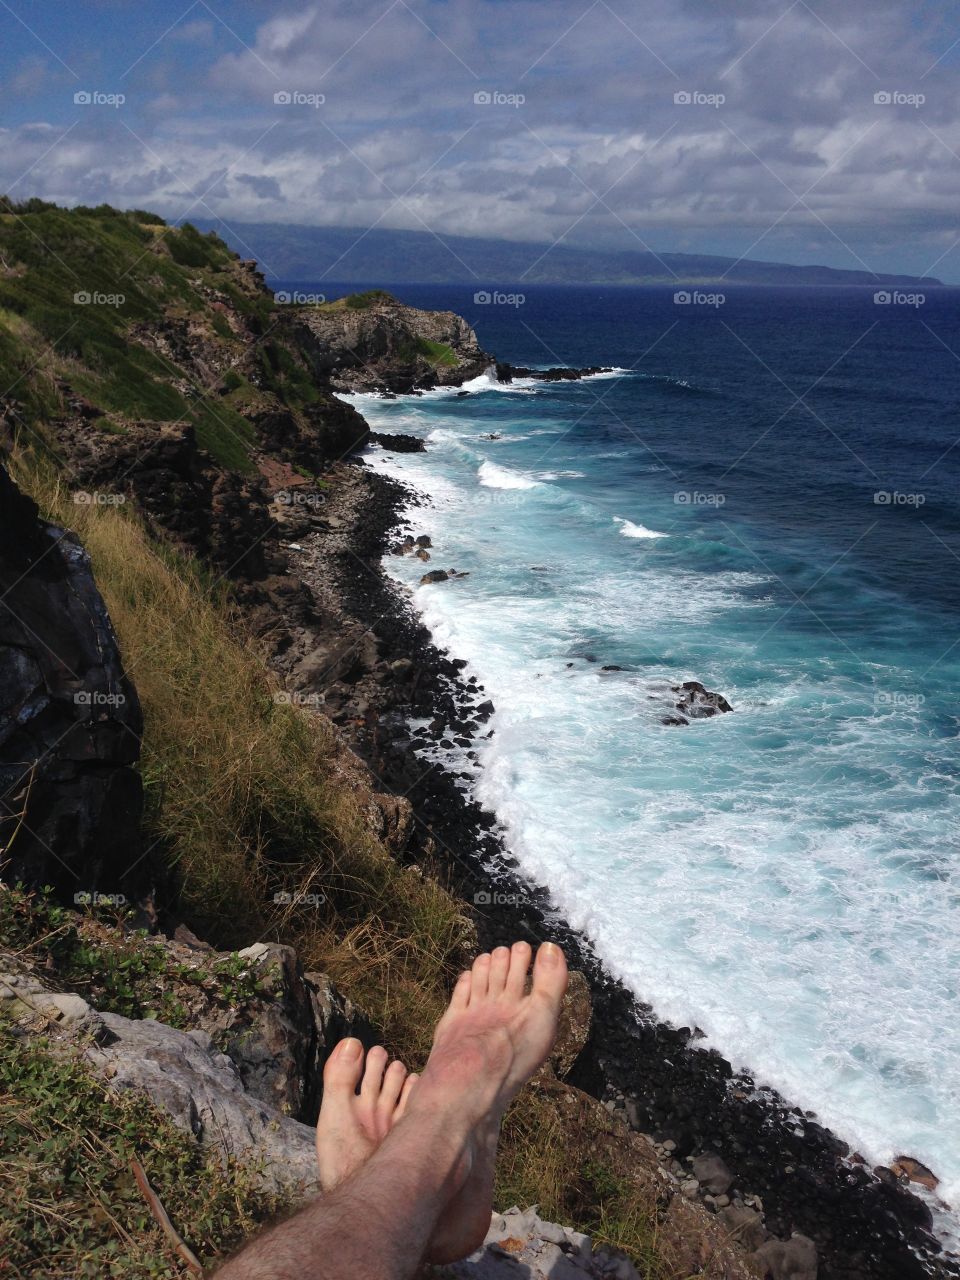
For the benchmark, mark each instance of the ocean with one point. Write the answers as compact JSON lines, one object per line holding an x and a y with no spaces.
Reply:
{"x":762,"y":496}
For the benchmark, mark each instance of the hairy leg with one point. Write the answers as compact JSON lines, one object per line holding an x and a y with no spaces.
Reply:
{"x":377,"y":1224}
{"x":491,"y":1039}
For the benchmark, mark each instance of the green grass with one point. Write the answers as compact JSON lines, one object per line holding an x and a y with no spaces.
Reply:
{"x":438,"y":353}
{"x":245,"y":797}
{"x":135,"y":270}
{"x":95,"y":954}
{"x":72,"y":1209}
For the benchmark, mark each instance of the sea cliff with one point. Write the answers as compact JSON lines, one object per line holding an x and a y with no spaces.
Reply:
{"x":271,"y":832}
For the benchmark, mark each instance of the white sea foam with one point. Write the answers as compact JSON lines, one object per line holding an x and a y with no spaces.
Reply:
{"x":560,"y":475}
{"x":608,"y":373}
{"x":496,"y":477}
{"x":630,"y":530}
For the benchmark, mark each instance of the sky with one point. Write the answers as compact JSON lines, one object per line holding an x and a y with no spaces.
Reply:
{"x":804,"y":131}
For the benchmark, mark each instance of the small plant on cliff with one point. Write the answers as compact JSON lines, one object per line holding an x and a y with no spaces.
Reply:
{"x":116,"y":969}
{"x":71,"y":1204}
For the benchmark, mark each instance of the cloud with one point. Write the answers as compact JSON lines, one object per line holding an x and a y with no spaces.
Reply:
{"x":728,"y":125}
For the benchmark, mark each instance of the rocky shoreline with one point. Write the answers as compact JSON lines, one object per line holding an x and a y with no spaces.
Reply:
{"x":771,"y":1157}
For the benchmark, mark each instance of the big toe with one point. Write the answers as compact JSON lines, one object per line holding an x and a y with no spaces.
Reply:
{"x":341,"y":1071}
{"x":550,"y":975}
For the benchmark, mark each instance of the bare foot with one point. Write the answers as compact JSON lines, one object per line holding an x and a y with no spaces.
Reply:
{"x":351,"y":1126}
{"x":492,"y":1038}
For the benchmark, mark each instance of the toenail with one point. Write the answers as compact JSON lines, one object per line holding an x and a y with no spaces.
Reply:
{"x":351,"y":1049}
{"x":551,"y":953}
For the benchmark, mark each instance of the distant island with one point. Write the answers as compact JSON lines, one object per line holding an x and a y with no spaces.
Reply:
{"x":354,"y":255}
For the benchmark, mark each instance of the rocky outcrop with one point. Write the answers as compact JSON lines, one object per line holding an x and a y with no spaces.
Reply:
{"x":186,"y":1075}
{"x":695,"y":703}
{"x":242,"y":1080}
{"x":372,"y":342}
{"x":398,"y":442}
{"x":507,"y":373}
{"x":280,"y":1038}
{"x":70,"y":722}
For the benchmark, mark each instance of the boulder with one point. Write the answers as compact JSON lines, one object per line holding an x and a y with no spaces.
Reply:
{"x":698,"y":702}
{"x":520,"y":1244}
{"x":186,"y":1075}
{"x":183,"y":1073}
{"x":70,"y":720}
{"x":712,"y":1174}
{"x":435,"y":575}
{"x":280,"y":1038}
{"x":913,"y":1171}
{"x":398,"y":442}
{"x":745,"y":1225}
{"x":793,"y":1259}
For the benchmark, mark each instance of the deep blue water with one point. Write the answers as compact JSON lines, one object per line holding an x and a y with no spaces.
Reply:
{"x":765,"y":498}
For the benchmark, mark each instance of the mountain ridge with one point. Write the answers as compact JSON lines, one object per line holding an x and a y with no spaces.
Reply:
{"x":352,"y":255}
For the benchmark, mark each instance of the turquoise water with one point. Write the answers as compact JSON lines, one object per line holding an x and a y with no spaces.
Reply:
{"x":785,"y":877}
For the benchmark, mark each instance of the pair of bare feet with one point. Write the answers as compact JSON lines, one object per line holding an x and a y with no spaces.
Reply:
{"x":492,"y":1038}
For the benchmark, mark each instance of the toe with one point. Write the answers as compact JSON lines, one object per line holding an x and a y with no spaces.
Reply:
{"x":520,"y":954}
{"x":408,"y":1087}
{"x":373,"y":1075}
{"x":341,"y":1071}
{"x":481,"y":977}
{"x":550,"y":974}
{"x":461,"y":992}
{"x":499,"y":968}
{"x":393,"y":1081}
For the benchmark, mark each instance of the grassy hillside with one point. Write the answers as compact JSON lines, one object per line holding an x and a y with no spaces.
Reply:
{"x":247,"y":795}
{"x":146,"y":321}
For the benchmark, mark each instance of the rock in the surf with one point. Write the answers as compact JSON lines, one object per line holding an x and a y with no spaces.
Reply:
{"x":913,"y":1171}
{"x":698,"y":702}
